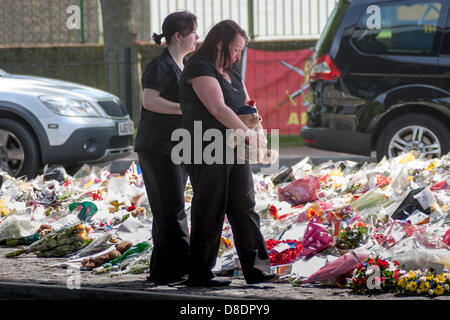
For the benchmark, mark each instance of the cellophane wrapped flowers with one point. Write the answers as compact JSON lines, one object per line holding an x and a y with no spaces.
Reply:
{"x":375,"y":275}
{"x":426,"y":282}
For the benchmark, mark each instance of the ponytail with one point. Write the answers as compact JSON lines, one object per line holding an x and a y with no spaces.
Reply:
{"x":157,"y":37}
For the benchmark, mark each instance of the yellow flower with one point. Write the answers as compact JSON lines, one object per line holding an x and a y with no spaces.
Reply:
{"x":337,"y":173}
{"x":424,"y":286}
{"x":440,"y":278}
{"x":412,"y":286}
{"x":431,"y":167}
{"x":439,"y":290}
{"x":411,"y":274}
{"x":402,"y":282}
{"x":407,"y":158}
{"x":446,"y":287}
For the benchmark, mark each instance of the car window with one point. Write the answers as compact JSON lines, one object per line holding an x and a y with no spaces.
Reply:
{"x":405,"y":28}
{"x":331,"y":27}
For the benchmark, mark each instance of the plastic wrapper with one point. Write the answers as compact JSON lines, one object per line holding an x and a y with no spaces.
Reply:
{"x":316,"y":239}
{"x":101,"y":243}
{"x":342,"y":265}
{"x":418,"y":257}
{"x":416,"y":199}
{"x":372,"y":199}
{"x":300,"y":191}
{"x":134,"y":260}
{"x":57,"y":243}
{"x":16,"y":226}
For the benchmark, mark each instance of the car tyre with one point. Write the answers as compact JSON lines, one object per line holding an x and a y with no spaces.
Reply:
{"x":415,"y":131}
{"x":19,"y":150}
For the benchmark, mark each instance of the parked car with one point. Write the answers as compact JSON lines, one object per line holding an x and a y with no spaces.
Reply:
{"x":380,"y":79}
{"x":46,"y":121}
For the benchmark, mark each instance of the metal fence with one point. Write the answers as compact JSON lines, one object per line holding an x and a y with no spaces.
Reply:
{"x":263,"y":19}
{"x":110,"y":71}
{"x":34,"y":22}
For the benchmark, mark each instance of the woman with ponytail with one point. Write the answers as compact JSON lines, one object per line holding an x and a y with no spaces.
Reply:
{"x":160,"y":116}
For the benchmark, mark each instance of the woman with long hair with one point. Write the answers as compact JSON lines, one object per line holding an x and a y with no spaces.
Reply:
{"x":211,"y":92}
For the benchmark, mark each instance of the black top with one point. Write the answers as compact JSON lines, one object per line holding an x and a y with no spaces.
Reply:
{"x":155,"y":129}
{"x":191,"y":106}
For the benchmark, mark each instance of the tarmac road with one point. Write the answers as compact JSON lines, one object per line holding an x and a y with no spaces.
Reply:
{"x":288,"y":156}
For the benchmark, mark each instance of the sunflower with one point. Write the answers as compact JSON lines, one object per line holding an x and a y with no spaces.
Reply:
{"x":412,"y":286}
{"x":424,"y":286}
{"x":439,"y":290}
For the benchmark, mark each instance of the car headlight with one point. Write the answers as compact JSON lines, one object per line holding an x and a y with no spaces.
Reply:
{"x":69,"y":107}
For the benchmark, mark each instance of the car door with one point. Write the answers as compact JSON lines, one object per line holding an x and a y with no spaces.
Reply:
{"x":387,"y":59}
{"x":443,"y":68}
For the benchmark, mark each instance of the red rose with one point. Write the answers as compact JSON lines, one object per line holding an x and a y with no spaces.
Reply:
{"x":383,"y":264}
{"x":274,"y":212}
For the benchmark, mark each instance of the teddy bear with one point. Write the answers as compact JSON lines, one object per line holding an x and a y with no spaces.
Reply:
{"x":91,"y":263}
{"x":250,"y":116}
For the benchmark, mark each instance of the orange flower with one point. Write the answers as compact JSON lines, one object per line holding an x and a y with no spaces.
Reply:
{"x":314,"y":210}
{"x":360,"y":224}
{"x":227,"y":242}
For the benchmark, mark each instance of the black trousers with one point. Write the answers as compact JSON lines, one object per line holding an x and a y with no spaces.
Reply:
{"x":165,"y":184}
{"x":219,"y":189}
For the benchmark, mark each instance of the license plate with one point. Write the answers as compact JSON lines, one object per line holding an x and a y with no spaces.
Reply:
{"x":126,"y":128}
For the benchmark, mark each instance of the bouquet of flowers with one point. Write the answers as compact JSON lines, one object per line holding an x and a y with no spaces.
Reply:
{"x":57,"y":243}
{"x":424,"y":282}
{"x":352,"y":237}
{"x":375,"y":274}
{"x":284,"y":251}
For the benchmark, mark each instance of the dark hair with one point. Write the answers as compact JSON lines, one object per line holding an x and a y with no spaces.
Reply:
{"x":183,"y":22}
{"x":225,"y":32}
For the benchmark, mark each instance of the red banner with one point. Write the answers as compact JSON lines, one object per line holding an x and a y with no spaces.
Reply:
{"x":279,"y":82}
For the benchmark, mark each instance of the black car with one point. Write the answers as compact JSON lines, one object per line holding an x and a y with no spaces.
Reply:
{"x":380,"y":80}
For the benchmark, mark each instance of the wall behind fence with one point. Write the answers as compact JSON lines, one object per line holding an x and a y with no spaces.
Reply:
{"x":85,"y":64}
{"x":38,"y":22}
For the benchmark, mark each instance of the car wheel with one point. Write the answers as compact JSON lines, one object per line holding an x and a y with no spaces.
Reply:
{"x":19,"y":151}
{"x":413,"y":131}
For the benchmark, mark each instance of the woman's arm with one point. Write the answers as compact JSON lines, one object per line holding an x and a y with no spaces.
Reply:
{"x":210,"y":94}
{"x":154,"y":102}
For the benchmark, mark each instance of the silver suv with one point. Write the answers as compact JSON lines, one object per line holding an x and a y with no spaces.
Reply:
{"x":46,"y":121}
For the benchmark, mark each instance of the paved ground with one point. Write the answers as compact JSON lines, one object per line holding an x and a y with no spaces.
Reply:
{"x":40,"y":277}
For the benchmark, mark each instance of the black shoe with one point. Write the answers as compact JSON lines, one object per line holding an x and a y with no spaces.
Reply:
{"x":213,"y":282}
{"x":265,"y":277}
{"x":168,"y":281}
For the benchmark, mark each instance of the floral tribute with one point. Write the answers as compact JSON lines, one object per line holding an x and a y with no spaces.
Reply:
{"x":375,"y":275}
{"x":424,"y":282}
{"x":284,"y":251}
